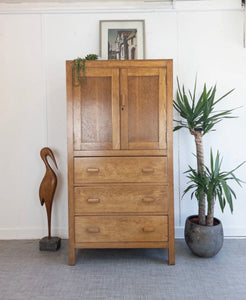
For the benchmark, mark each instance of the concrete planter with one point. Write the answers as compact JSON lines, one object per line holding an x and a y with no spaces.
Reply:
{"x":203,"y":241}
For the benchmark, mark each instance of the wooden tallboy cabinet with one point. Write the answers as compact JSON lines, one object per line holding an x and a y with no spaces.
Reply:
{"x":120,"y":156}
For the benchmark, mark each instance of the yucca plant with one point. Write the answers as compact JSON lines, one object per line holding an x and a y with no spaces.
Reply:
{"x":213,"y":183}
{"x":198,"y":115}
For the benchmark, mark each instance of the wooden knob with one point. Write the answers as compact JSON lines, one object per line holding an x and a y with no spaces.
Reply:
{"x":93,"y":170}
{"x":148,"y":200}
{"x":147,"y":170}
{"x":92,"y":200}
{"x":148,"y":229}
{"x":93,"y":229}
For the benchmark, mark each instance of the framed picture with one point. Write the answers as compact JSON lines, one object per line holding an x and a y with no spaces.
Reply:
{"x":122,"y":39}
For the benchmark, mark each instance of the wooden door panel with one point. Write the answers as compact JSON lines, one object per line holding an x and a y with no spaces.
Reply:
{"x":96,"y":111}
{"x":143,"y":111}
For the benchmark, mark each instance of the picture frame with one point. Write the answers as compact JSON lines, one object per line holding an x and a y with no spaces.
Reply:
{"x":122,"y":39}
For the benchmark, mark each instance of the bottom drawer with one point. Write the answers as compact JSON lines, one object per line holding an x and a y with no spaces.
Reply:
{"x":121,"y":229}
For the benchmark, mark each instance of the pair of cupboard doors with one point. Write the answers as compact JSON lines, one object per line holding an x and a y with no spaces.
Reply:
{"x":130,"y":109}
{"x":119,"y":121}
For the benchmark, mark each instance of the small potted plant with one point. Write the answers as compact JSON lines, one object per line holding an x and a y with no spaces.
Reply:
{"x":78,"y":65}
{"x":208,"y":184}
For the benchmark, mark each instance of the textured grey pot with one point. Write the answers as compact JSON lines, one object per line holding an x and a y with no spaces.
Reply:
{"x":203,"y":241}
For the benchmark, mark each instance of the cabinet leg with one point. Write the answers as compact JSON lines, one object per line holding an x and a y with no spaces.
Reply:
{"x":171,"y":257}
{"x":171,"y":253}
{"x":72,"y":256}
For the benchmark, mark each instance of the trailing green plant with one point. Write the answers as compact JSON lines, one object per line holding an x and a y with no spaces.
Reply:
{"x":79,"y":65}
{"x":199,"y":116}
{"x":213,"y":183}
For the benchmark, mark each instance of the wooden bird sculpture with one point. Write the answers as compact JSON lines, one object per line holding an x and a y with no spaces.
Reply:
{"x":48,"y":185}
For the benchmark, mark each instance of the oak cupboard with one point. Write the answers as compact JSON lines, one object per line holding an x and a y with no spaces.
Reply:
{"x":120,"y":163}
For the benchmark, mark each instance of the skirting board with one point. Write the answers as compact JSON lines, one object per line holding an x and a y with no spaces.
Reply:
{"x":31,"y":233}
{"x":62,"y":232}
{"x":230,"y":232}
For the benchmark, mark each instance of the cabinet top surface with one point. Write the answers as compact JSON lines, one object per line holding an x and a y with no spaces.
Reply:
{"x":127,"y":63}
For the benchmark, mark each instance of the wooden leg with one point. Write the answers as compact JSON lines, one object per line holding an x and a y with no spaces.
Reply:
{"x":171,"y":257}
{"x":171,"y":253}
{"x":71,"y":256}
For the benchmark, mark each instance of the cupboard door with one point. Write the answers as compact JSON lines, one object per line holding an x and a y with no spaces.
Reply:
{"x":96,"y":110}
{"x":143,"y":108}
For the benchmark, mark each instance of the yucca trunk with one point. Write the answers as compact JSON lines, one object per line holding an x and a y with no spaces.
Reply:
{"x":210,"y":215}
{"x":200,"y":169}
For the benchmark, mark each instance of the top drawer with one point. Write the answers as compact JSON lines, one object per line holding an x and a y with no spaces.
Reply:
{"x":120,"y":169}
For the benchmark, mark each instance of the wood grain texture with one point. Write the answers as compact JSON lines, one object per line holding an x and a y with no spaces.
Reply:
{"x":120,"y":169}
{"x":96,"y":111}
{"x":115,"y":110}
{"x":153,"y":63}
{"x":119,"y":199}
{"x":143,"y":112}
{"x":162,"y":109}
{"x":97,"y":245}
{"x":121,"y":228}
{"x":48,"y":185}
{"x":141,"y":152}
{"x":76,"y":108}
{"x":169,"y":104}
{"x":120,"y":173}
{"x":70,"y":148}
{"x":124,"y":110}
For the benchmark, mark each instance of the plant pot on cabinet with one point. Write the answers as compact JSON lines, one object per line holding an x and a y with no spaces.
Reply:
{"x":203,"y":241}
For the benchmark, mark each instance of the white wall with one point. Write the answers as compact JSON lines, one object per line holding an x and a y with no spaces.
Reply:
{"x":204,"y":38}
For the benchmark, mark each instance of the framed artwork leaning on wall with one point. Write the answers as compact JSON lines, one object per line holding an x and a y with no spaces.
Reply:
{"x":122,"y":39}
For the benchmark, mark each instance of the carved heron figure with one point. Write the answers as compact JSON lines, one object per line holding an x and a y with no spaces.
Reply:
{"x":48,"y":185}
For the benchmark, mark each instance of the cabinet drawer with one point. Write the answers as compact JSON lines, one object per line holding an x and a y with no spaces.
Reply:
{"x":121,"y":229}
{"x":120,"y":169}
{"x":127,"y":198}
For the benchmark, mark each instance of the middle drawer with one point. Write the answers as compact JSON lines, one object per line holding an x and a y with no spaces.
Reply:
{"x":120,"y":169}
{"x":127,"y":198}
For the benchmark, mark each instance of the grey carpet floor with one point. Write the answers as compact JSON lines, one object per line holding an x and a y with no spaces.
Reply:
{"x":125,"y":274}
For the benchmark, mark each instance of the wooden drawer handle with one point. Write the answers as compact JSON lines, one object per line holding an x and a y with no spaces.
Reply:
{"x":147,"y":170}
{"x":93,"y":229}
{"x":91,"y":200}
{"x":148,"y":200}
{"x":93,"y":170}
{"x":148,"y":229}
